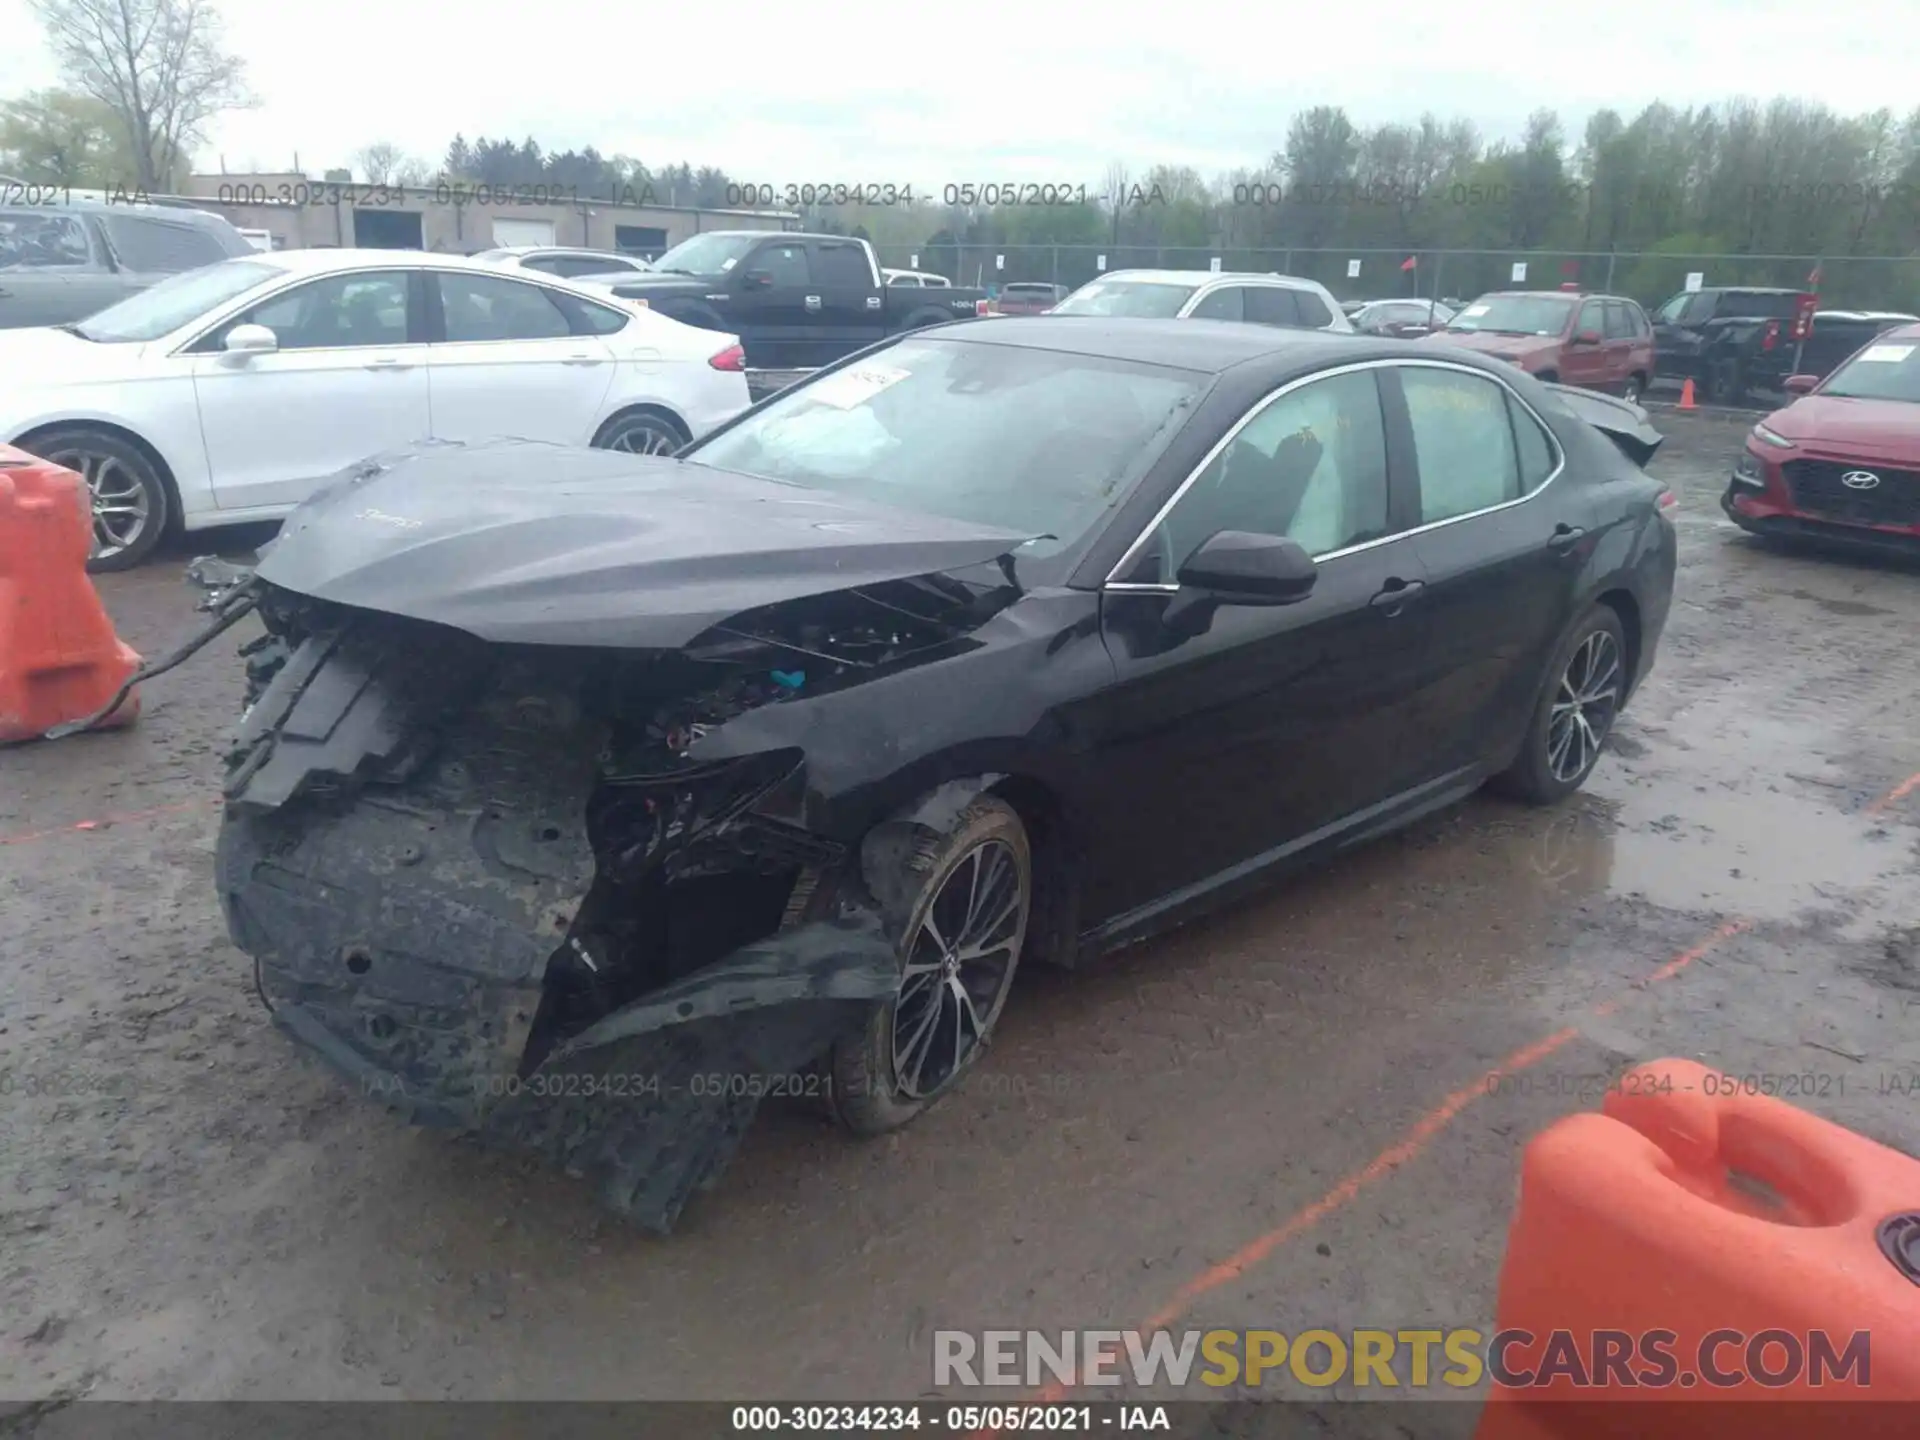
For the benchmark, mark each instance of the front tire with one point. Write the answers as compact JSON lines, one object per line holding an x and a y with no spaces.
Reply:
{"x":959,"y":949}
{"x":1586,"y":684}
{"x":132,"y":507}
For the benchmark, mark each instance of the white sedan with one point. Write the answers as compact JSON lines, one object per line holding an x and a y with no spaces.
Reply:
{"x":227,"y":394}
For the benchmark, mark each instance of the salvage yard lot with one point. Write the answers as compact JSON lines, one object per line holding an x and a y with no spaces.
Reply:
{"x":1279,"y":1117}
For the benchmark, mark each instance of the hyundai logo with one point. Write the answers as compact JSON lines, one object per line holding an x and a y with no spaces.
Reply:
{"x":1859,"y":479}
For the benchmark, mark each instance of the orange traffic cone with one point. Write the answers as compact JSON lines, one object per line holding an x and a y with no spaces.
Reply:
{"x":1726,"y":1224}
{"x":1686,"y":395}
{"x":60,"y":659}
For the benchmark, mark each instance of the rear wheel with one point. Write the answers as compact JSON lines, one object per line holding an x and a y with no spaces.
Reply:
{"x":1635,"y":387}
{"x":1548,"y":377}
{"x":131,"y":505}
{"x":641,"y":432}
{"x":1586,"y":684}
{"x":959,"y":949}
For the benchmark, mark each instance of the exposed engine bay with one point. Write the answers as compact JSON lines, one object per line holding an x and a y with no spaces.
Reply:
{"x":499,"y":888}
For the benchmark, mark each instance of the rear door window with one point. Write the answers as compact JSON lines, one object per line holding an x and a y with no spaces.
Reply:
{"x":481,"y":308}
{"x":1226,"y":303}
{"x":1463,"y":439}
{"x":162,"y":247}
{"x":1313,"y":311}
{"x":1619,"y":322}
{"x":842,"y":267}
{"x":1272,"y":305}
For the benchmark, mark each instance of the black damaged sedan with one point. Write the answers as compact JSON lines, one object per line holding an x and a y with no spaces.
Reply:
{"x":583,"y":800}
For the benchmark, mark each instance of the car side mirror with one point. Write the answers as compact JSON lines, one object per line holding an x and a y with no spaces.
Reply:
{"x":251,"y":340}
{"x":1587,"y":337}
{"x":756,"y":280}
{"x":1239,"y":567}
{"x":1799,"y":384}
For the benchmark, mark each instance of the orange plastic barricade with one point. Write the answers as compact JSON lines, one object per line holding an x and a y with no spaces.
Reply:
{"x":1752,"y":1242}
{"x":59,"y":657}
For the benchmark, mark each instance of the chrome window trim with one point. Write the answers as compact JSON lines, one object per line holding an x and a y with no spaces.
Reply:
{"x":1132,"y":551}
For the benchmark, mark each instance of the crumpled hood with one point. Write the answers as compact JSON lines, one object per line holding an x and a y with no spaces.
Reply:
{"x":526,"y":543}
{"x":1884,"y":429}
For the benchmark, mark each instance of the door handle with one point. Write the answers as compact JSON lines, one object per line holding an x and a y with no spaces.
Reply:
{"x":1564,"y":538}
{"x":813,"y":302}
{"x":387,"y":362}
{"x":1396,"y":595}
{"x":583,"y":360}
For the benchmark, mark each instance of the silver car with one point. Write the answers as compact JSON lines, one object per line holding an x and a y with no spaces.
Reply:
{"x":1284,"y":300}
{"x":63,"y":258}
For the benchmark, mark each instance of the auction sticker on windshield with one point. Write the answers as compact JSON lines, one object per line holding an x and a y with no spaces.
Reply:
{"x":1886,"y":354}
{"x":854,"y":387}
{"x":1473,"y":310}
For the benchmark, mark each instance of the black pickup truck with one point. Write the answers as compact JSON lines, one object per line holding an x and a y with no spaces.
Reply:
{"x":795,"y":301}
{"x":1729,"y":340}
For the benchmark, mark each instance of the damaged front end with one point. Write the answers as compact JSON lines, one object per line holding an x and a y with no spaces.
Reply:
{"x":498,"y":887}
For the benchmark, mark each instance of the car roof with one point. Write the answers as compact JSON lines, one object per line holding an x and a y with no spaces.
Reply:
{"x":551,"y":250}
{"x":1552,"y":295}
{"x":325,"y":262}
{"x":1900,"y":332}
{"x":69,"y":201}
{"x":1207,"y":346}
{"x":1203,"y":277}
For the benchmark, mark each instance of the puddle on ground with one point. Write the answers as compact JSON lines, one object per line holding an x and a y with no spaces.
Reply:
{"x":1730,"y":805}
{"x":1839,"y":607}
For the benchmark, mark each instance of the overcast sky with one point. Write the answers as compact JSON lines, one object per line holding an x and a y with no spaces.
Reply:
{"x":854,"y":91}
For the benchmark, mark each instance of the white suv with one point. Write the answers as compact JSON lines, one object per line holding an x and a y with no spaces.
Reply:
{"x":1284,"y":300}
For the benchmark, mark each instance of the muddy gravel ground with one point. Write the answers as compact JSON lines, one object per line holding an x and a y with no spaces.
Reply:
{"x":1274,"y":1118}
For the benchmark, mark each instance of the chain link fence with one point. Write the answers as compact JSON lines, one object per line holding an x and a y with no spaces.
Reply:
{"x":1873,"y":282}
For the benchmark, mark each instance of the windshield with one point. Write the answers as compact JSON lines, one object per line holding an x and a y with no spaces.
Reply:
{"x":1138,"y":299}
{"x":1513,"y":315}
{"x":178,"y":300}
{"x":1038,"y":441}
{"x":1883,"y":371}
{"x":707,"y":254}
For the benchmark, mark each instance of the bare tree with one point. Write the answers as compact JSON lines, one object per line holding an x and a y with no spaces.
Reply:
{"x":378,"y":161}
{"x":157,"y":64}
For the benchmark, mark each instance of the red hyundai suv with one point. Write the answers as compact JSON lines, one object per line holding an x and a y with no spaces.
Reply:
{"x":1600,"y":342}
{"x":1841,"y":462}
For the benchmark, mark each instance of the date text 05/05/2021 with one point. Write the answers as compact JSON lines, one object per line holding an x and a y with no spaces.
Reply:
{"x":915,"y":1416}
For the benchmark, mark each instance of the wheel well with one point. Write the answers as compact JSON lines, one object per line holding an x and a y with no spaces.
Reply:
{"x":1628,"y":609}
{"x":120,"y":432}
{"x":1054,"y":925}
{"x":1548,"y":376}
{"x":660,"y":412}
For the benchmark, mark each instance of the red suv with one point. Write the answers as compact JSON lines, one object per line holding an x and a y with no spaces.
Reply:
{"x":1601,"y":342}
{"x":1842,"y":461}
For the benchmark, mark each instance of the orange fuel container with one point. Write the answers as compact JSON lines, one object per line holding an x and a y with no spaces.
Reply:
{"x":1765,"y":1242}
{"x":60,"y":659}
